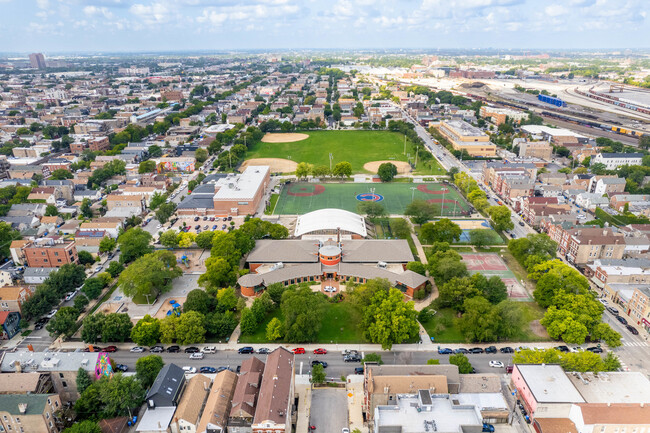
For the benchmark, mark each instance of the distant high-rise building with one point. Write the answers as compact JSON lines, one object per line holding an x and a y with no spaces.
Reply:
{"x":37,"y":60}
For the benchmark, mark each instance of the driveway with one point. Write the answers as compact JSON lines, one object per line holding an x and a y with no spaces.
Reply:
{"x":329,"y":410}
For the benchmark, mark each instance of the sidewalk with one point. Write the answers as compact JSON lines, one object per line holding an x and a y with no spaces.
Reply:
{"x":303,"y":390}
{"x":354,"y":390}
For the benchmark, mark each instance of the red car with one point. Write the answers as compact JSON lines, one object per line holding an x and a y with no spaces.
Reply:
{"x":299,"y":351}
{"x":320,"y":351}
{"x":110,"y":349}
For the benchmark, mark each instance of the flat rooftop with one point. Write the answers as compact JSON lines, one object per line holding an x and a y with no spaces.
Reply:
{"x":448,"y":418}
{"x":242,"y":186}
{"x":549,"y":383}
{"x":612,"y":387}
{"x":463,"y":128}
{"x":49,"y":361}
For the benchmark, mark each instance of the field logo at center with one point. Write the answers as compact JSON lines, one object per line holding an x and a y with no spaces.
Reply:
{"x":367,"y":196}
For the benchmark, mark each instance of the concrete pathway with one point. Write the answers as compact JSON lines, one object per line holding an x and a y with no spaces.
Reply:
{"x":303,"y":389}
{"x":354,"y":390}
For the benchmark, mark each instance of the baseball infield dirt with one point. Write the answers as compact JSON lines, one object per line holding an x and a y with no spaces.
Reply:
{"x":402,"y":167}
{"x":284,"y":138}
{"x":278,"y":165}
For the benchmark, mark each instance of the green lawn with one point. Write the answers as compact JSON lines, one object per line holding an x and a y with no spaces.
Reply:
{"x":272,"y":202}
{"x":443,"y":326}
{"x":355,"y":147}
{"x":340,"y":325}
{"x":298,"y":198}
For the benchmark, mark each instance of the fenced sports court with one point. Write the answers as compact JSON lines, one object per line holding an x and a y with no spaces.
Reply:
{"x":490,"y":264}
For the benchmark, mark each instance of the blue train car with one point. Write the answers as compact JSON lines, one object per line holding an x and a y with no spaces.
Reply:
{"x":551,"y":100}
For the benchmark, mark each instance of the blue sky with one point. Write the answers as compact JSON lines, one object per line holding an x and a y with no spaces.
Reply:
{"x":163,"y":25}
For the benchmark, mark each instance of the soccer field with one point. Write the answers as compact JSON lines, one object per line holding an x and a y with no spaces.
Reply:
{"x":301,"y":197}
{"x":355,"y":147}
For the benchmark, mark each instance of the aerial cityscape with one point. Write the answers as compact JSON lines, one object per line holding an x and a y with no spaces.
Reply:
{"x":233,"y":217}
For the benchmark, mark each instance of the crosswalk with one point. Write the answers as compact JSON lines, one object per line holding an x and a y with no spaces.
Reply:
{"x":635,"y":343}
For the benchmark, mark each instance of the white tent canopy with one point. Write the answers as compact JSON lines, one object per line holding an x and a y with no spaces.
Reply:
{"x":330,"y":219}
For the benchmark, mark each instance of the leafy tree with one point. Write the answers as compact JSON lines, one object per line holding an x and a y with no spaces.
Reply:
{"x":61,"y":174}
{"x":148,"y":166}
{"x":320,"y":171}
{"x":248,"y":322}
{"x":302,"y":310}
{"x":86,"y":426}
{"x":150,"y":274}
{"x":372,"y":357}
{"x":85,"y":209}
{"x":80,"y":302}
{"x":134,"y":243}
{"x":66,"y":279}
{"x":604,"y":332}
{"x":51,"y":210}
{"x":433,"y":362}
{"x":371,"y":209}
{"x":456,"y":291}
{"x":220,"y":325}
{"x":85,"y":258}
{"x":117,"y":327}
{"x":92,"y":327}
{"x":107,"y":244}
{"x":317,"y":374}
{"x":387,"y":171}
{"x":501,"y":217}
{"x":459,"y":359}
{"x":419,"y":211}
{"x":165,"y":211}
{"x":115,"y":269}
{"x":168,"y":329}
{"x":442,"y":230}
{"x":7,"y":235}
{"x":480,"y":237}
{"x":303,"y":169}
{"x":147,"y":368}
{"x":261,"y":306}
{"x":201,"y":154}
{"x":198,"y":300}
{"x":445,"y":265}
{"x":64,"y":322}
{"x":274,"y":329}
{"x":185,"y":240}
{"x":479,"y":323}
{"x":83,"y":380}
{"x":227,"y":299}
{"x":417,"y":267}
{"x":553,"y":276}
{"x":219,"y":273}
{"x":93,"y":287}
{"x":156,"y":200}
{"x":169,"y":239}
{"x":342,"y":169}
{"x":533,"y":249}
{"x":275,"y":291}
{"x":120,"y":394}
{"x":204,"y":239}
{"x":573,"y":361}
{"x":389,"y":320}
{"x":146,"y":332}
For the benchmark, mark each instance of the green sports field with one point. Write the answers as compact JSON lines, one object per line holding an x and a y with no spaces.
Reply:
{"x":298,"y":198}
{"x":355,"y":147}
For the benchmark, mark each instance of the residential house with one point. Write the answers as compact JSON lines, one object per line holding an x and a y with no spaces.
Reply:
{"x":12,"y":298}
{"x":111,"y":227}
{"x":9,"y":324}
{"x":244,"y":399}
{"x":188,"y":412}
{"x":615,"y":160}
{"x":37,"y":275}
{"x":606,"y":185}
{"x":535,"y":149}
{"x":217,"y":407}
{"x":639,"y":307}
{"x":275,"y":399}
{"x":29,"y":413}
{"x":588,"y":244}
{"x":52,"y":252}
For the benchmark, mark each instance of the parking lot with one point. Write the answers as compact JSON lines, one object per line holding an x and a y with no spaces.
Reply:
{"x":205,"y":223}
{"x":324,"y":404}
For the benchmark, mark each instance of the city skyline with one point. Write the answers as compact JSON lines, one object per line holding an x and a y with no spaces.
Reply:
{"x":159,"y":25}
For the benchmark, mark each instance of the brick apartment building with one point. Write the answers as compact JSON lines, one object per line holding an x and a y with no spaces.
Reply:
{"x":97,"y":144}
{"x":50,"y":253}
{"x":588,"y":244}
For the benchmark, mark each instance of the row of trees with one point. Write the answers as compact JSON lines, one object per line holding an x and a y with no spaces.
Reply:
{"x":572,"y":361}
{"x":341,"y":169}
{"x":500,"y":215}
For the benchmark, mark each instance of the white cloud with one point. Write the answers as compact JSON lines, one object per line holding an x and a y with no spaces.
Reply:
{"x":555,"y":10}
{"x":95,"y":11}
{"x":43,"y":4}
{"x":154,"y":13}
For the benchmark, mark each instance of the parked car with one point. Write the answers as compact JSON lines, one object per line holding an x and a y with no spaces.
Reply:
{"x":358,"y":370}
{"x":612,"y":310}
{"x":197,"y":355}
{"x":603,"y":301}
{"x":496,"y":364}
{"x":121,"y":367}
{"x":110,"y":349}
{"x":491,"y":349}
{"x":521,"y":223}
{"x":317,"y":362}
{"x":299,"y":351}
{"x":190,"y":370}
{"x":196,"y":219}
{"x":621,"y":319}
{"x":461,"y":350}
{"x":488,"y":428}
{"x":223,"y":227}
{"x":51,"y":313}
{"x":192,"y":349}
{"x":222,"y":368}
{"x":209,"y":349}
{"x":214,"y":227}
{"x":632,"y":329}
{"x":320,"y":351}
{"x":507,"y":349}
{"x":445,"y":351}
{"x":476,"y":350}
{"x":173,"y":349}
{"x":137,"y":349}
{"x":564,"y":349}
{"x":207,"y":370}
{"x":263,"y":351}
{"x":70,"y":295}
{"x":246,"y":349}
{"x":595,"y":349}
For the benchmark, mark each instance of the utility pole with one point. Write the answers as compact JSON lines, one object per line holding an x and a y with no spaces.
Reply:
{"x":404,"y":144}
{"x":331,"y":158}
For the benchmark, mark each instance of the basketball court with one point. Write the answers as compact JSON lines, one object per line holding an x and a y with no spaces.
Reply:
{"x":490,"y":264}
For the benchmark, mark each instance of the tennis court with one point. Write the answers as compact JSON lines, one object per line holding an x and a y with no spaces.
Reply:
{"x":298,"y":198}
{"x":490,"y":264}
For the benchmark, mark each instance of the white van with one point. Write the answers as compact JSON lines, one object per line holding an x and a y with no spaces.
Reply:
{"x":209,"y":349}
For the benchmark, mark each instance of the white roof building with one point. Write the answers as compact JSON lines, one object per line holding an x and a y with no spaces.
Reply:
{"x":330,"y":220}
